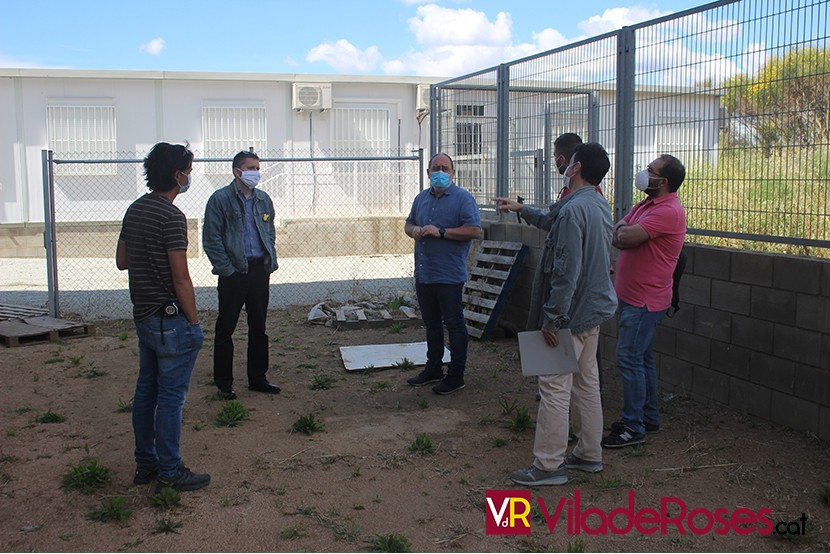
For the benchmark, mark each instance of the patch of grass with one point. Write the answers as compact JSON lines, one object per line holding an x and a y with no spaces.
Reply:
{"x":111,"y":509}
{"x":307,"y":366}
{"x":50,"y":417}
{"x":405,"y":364}
{"x":422,"y":403}
{"x":322,"y":382}
{"x":23,"y":410}
{"x":507,"y":408}
{"x":93,"y":372}
{"x":636,"y":451}
{"x":293,"y":532}
{"x":125,"y":407}
{"x":824,"y":495}
{"x":166,"y":498}
{"x":131,"y":544}
{"x":55,"y":360}
{"x":392,"y":542}
{"x":610,"y":483}
{"x":232,"y":414}
{"x":422,"y":444}
{"x":86,"y":477}
{"x":66,"y":536}
{"x":306,"y":511}
{"x":123,"y":335}
{"x":396,"y":328}
{"x":307,"y":424}
{"x":76,"y":360}
{"x":199,"y":426}
{"x":165,"y":525}
{"x":397,"y":302}
{"x":576,"y":546}
{"x":520,"y":421}
{"x":499,"y":442}
{"x":348,"y":532}
{"x":379,"y":386}
{"x":5,"y":478}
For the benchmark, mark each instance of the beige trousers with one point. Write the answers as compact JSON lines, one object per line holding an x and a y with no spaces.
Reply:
{"x":579,"y":394}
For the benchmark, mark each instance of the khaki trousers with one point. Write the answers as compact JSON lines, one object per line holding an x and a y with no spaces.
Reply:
{"x":579,"y":394}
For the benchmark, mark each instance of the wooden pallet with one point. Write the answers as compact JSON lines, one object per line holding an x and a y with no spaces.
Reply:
{"x":34,"y":330}
{"x":360,"y":319}
{"x":485,"y":293}
{"x":10,"y":311}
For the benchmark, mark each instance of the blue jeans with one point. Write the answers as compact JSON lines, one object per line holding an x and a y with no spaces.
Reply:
{"x":165,"y":363}
{"x":636,"y":364}
{"x":441,"y":305}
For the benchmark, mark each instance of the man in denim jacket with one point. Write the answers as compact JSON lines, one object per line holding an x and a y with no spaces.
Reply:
{"x":238,"y":239}
{"x":575,"y":292}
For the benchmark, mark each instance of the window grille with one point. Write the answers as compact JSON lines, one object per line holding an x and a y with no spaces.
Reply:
{"x":227,"y":130}
{"x":361,"y":131}
{"x":81,"y":131}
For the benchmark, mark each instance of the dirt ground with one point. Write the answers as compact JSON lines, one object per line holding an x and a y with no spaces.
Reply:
{"x":358,"y":480}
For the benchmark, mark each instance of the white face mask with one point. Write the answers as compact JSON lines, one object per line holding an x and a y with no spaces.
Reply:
{"x":250,"y":178}
{"x":642,"y":181}
{"x":566,"y":181}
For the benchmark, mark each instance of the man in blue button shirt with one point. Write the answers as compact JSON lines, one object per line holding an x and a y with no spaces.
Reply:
{"x":443,"y":221}
{"x":239,"y":238}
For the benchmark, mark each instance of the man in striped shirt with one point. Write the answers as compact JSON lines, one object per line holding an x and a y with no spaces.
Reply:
{"x":153,"y":248}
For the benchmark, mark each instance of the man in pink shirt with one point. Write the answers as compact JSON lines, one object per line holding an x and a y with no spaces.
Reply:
{"x":650,"y":239}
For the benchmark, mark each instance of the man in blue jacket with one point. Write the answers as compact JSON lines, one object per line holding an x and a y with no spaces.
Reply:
{"x":238,"y":239}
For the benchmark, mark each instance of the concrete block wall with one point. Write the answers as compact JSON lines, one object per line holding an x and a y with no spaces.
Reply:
{"x":753,"y":331}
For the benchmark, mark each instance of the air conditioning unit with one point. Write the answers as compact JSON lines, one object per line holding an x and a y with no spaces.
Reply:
{"x":311,"y":96}
{"x":422,"y":100}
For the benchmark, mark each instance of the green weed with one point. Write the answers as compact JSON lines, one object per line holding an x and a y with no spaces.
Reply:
{"x":50,"y":417}
{"x":24,"y":410}
{"x":125,"y":407}
{"x":165,"y":525}
{"x":405,"y":364}
{"x":293,"y":532}
{"x":422,"y":403}
{"x":379,"y":386}
{"x":307,"y":366}
{"x":322,"y":382}
{"x":307,"y":424}
{"x":520,"y":421}
{"x":76,"y":360}
{"x":66,"y":536}
{"x":166,"y":498}
{"x":397,"y":302}
{"x":123,"y":335}
{"x":507,"y":408}
{"x":232,"y":414}
{"x":55,"y":360}
{"x":422,"y":444}
{"x":499,"y":442}
{"x":396,"y":328}
{"x":576,"y":546}
{"x":392,"y":542}
{"x":111,"y":509}
{"x":86,"y":477}
{"x":93,"y":372}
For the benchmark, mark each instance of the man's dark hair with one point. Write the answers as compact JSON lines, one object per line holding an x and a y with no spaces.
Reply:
{"x":566,"y":144}
{"x":240,"y":158}
{"x":673,"y":170}
{"x":162,"y":163}
{"x":452,"y":164}
{"x":594,"y":160}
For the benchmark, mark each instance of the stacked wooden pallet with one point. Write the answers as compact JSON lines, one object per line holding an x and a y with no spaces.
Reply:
{"x":486,"y":291}
{"x":20,"y":325}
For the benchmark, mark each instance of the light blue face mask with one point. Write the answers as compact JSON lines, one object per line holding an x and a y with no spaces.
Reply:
{"x":184,"y":187}
{"x":439,"y":180}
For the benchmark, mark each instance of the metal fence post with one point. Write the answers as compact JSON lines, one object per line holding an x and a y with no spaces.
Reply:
{"x":49,"y":238}
{"x":624,"y":138}
{"x":503,"y":131}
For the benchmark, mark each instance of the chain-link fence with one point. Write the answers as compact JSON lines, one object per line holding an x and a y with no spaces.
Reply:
{"x":738,"y":90}
{"x":339,"y":224}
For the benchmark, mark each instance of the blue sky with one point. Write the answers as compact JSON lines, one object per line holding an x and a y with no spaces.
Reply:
{"x":372,"y":37}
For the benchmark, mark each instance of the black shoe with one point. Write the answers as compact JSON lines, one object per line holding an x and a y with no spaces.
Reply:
{"x":426,"y":377}
{"x":449,"y":385}
{"x":145,"y":474}
{"x":621,"y":436}
{"x":184,"y":480}
{"x":228,"y":394}
{"x":651,"y":428}
{"x":267,"y":388}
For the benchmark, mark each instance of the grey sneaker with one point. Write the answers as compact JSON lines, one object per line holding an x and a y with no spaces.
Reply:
{"x":532,"y":476}
{"x":573,"y":462}
{"x":184,"y":480}
{"x":426,"y":377}
{"x":145,"y":475}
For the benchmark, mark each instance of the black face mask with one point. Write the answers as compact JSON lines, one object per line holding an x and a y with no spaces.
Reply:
{"x":560,"y":168}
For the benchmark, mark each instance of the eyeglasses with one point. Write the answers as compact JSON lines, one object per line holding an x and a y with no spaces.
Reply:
{"x":650,"y":170}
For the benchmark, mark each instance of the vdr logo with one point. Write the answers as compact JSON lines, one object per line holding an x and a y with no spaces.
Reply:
{"x":508,"y":512}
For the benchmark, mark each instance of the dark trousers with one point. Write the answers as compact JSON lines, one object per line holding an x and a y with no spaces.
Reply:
{"x":441,"y":305}
{"x":250,"y":290}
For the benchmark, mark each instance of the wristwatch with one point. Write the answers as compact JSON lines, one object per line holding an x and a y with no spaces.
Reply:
{"x":441,"y":231}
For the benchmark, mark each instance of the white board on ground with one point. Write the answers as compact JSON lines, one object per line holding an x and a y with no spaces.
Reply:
{"x":385,"y":355}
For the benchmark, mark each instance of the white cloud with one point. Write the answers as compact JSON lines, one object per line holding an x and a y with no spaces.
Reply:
{"x":154,"y":47}
{"x":616,"y":18}
{"x":414,"y":2}
{"x":346,"y":57}
{"x":437,"y":26}
{"x":14,"y":63}
{"x":548,"y":39}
